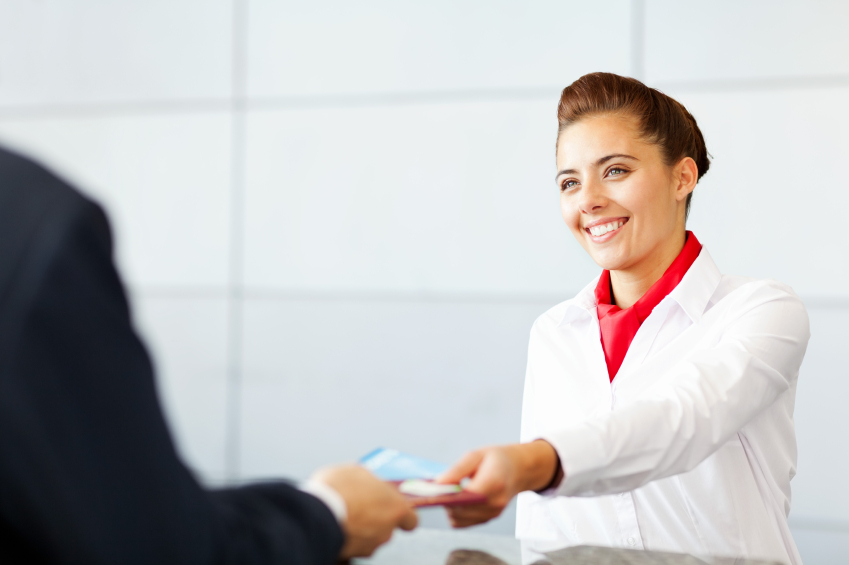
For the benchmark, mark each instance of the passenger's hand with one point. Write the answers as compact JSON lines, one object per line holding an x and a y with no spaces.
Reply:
{"x":375,"y":509}
{"x":500,"y":472}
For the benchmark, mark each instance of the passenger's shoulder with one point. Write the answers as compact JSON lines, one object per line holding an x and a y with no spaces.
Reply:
{"x":38,"y":210}
{"x":31,"y":195}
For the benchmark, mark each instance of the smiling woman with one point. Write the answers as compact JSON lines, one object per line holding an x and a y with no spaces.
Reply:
{"x":658,"y":402}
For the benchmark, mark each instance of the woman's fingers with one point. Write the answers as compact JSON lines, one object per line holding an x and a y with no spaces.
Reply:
{"x":490,"y":470}
{"x":462,"y":517}
{"x":491,"y":476}
{"x":465,"y":467}
{"x":500,"y":473}
{"x":481,"y":512}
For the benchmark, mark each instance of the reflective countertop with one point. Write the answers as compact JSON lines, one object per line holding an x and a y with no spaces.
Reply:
{"x":452,"y":547}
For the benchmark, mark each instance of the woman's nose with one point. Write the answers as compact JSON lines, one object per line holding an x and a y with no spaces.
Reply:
{"x":592,"y":197}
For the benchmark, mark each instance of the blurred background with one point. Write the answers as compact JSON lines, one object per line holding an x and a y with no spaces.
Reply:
{"x":337,"y":221}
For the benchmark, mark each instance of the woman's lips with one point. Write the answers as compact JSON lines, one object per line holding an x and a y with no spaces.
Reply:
{"x":603,"y":231}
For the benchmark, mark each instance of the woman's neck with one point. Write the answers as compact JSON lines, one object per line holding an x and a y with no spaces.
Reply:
{"x":629,"y":285}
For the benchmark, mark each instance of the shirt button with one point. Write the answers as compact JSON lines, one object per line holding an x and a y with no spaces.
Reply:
{"x":631,"y":540}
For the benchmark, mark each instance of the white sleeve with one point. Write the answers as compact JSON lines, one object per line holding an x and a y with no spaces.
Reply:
{"x":328,"y":495}
{"x":702,"y":402}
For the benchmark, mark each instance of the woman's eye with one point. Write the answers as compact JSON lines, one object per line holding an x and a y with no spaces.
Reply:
{"x":616,"y":171}
{"x":568,"y":184}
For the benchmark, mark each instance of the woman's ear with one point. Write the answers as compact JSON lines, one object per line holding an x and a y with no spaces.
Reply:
{"x":687,"y":175}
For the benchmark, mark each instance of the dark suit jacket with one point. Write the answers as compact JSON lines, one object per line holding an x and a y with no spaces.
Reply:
{"x":88,"y":470}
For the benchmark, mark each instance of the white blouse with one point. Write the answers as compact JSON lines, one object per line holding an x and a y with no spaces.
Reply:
{"x":692,"y":447}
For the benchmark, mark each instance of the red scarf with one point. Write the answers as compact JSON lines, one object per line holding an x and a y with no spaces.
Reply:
{"x":618,"y":327}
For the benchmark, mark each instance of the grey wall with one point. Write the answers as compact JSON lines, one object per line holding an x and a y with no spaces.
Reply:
{"x":337,"y":220}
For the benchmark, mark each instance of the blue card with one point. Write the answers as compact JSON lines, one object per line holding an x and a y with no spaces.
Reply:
{"x":392,"y":465}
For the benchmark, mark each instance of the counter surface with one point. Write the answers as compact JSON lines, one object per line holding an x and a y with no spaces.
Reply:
{"x":444,"y":547}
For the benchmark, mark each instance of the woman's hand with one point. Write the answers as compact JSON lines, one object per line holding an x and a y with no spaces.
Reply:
{"x":500,"y":472}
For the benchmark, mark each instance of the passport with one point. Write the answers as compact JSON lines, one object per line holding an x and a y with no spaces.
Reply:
{"x":459,"y":497}
{"x":393,"y":465}
{"x":401,"y":468}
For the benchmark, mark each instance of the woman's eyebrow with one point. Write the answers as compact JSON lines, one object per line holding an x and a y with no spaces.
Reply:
{"x":604,"y":160}
{"x":601,"y":161}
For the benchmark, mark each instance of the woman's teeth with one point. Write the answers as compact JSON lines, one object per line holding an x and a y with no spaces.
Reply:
{"x":606,"y":228}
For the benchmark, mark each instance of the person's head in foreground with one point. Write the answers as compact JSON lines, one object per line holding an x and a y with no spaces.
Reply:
{"x":657,"y":411}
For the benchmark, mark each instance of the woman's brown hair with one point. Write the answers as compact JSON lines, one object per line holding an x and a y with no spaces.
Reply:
{"x":662,"y":120}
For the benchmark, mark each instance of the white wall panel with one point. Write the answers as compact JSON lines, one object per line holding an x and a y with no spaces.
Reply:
{"x":187,"y":338}
{"x":819,"y":491}
{"x":90,"y":51}
{"x":765,"y":207}
{"x":164,"y":179}
{"x":726,"y":39}
{"x":329,"y":380}
{"x":453,"y":197}
{"x":339,"y":47}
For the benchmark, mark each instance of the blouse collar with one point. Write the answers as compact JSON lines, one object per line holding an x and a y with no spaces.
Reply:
{"x":693,"y":293}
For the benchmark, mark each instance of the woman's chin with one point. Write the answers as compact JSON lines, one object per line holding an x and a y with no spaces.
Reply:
{"x":609,"y":262}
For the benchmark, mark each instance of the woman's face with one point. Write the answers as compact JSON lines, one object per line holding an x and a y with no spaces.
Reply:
{"x":624,"y":205}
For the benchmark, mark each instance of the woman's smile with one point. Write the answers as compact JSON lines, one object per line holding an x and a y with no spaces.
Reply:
{"x":605,"y":229}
